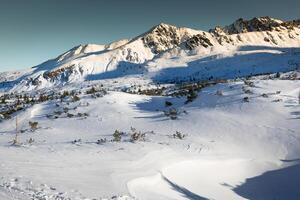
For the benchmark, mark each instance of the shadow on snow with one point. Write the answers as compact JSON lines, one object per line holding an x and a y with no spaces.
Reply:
{"x":278,"y":184}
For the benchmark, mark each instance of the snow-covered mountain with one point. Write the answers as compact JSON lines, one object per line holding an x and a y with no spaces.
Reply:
{"x":168,"y":53}
{"x":111,"y":122}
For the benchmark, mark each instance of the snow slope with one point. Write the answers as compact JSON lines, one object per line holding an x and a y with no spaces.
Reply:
{"x":227,"y":142}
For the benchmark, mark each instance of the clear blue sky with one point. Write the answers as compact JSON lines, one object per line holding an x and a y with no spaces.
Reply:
{"x":32,"y":31}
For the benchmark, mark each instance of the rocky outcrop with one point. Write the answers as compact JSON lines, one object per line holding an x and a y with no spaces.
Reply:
{"x":163,"y":37}
{"x":198,"y":40}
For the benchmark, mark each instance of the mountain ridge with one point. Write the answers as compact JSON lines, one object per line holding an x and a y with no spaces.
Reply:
{"x":137,"y":55}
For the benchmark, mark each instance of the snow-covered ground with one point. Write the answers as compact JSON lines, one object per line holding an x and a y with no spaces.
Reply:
{"x":232,"y":149}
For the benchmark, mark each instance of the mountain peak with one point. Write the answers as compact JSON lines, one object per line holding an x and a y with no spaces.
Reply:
{"x":164,"y":36}
{"x":255,"y":24}
{"x":161,"y":25}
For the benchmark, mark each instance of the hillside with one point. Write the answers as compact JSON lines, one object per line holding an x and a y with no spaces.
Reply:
{"x":208,"y":148}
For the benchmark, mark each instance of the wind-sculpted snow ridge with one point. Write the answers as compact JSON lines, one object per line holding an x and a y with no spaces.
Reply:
{"x":167,"y":53}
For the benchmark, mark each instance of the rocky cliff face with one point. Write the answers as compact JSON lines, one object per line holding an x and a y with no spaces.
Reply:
{"x":256,"y":24}
{"x":164,"y":37}
{"x":198,"y":40}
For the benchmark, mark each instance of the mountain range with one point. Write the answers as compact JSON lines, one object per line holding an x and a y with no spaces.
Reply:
{"x":167,"y":53}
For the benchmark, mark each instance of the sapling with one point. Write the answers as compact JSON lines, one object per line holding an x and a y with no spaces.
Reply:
{"x":15,"y":140}
{"x":117,"y":136}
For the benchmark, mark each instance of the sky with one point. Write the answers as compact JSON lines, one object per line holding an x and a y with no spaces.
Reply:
{"x":33,"y":31}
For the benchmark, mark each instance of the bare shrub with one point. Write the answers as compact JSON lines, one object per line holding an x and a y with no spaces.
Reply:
{"x":3,"y":100}
{"x":69,"y":115}
{"x":57,"y":112}
{"x":82,"y":114}
{"x":76,"y":141}
{"x":249,"y":83}
{"x":66,"y":109}
{"x":75,"y":98}
{"x":179,"y":135}
{"x":246,"y":99}
{"x":33,"y":125}
{"x":101,"y":141}
{"x":30,"y":141}
{"x":247,"y":91}
{"x":91,"y":91}
{"x":219,"y":93}
{"x":168,"y":103}
{"x":172,"y":113}
{"x":65,"y":94}
{"x":191,"y":96}
{"x":137,"y":135}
